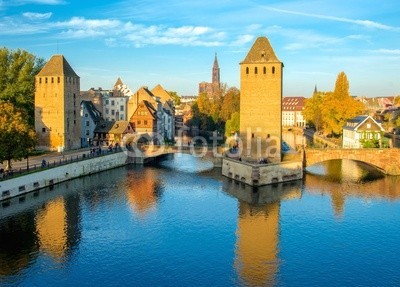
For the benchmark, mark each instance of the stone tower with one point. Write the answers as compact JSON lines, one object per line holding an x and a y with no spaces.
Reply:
{"x":261,"y":103}
{"x":57,"y":106}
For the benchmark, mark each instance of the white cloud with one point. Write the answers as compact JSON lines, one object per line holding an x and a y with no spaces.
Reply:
{"x":37,"y":16}
{"x":395,"y":52}
{"x":43,"y":2}
{"x":365,"y":23}
{"x":242,"y":40}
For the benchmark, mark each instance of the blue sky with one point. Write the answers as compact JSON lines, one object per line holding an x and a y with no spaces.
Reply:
{"x":173,"y":42}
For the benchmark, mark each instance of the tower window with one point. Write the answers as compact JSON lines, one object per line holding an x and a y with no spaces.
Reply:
{"x":45,"y":80}
{"x":43,"y":130}
{"x":264,"y":70}
{"x":247,"y":70}
{"x":256,"y":70}
{"x":273,"y":70}
{"x":58,"y":79}
{"x":40,"y":80}
{"x":52,"y":80}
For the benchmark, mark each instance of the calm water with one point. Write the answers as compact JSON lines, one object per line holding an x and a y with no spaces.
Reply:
{"x":182,"y":225}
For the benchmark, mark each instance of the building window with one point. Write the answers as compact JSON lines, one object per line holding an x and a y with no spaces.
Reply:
{"x":273,"y":70}
{"x":256,"y":70}
{"x":43,"y":130}
{"x":112,"y":112}
{"x":247,"y":70}
{"x":121,"y":108}
{"x":264,"y":70}
{"x":145,"y":122}
{"x":86,"y":115}
{"x":87,"y":123}
{"x":87,"y":132}
{"x":52,"y":80}
{"x":368,"y":126}
{"x":40,"y":80}
{"x":107,"y":102}
{"x":45,"y":80}
{"x":107,"y":111}
{"x":58,"y":79}
{"x":139,"y":122}
{"x":112,"y":103}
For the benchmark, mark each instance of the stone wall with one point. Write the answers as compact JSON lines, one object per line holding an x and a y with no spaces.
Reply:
{"x":261,"y":174}
{"x":48,"y":177}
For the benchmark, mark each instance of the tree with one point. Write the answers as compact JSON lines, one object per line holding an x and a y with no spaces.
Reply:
{"x":17,"y":81}
{"x":233,"y":124}
{"x":175,"y":97}
{"x":312,"y":110}
{"x":338,"y":107}
{"x":17,"y":138}
{"x":230,"y":104}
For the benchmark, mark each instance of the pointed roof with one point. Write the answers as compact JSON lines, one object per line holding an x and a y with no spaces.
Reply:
{"x":160,"y":92}
{"x":261,"y":51}
{"x":57,"y":66}
{"x":315,"y":89}
{"x":215,"y":61}
{"x":118,"y":82}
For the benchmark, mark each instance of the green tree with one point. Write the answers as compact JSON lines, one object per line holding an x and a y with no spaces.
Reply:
{"x":313,"y":110}
{"x":233,"y":124}
{"x":175,"y":97}
{"x":17,"y":138}
{"x":339,"y":106}
{"x":17,"y":79}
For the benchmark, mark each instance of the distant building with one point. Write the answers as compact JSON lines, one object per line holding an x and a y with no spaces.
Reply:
{"x":115,"y":103}
{"x":292,"y":108}
{"x":212,"y":89}
{"x":57,"y":106}
{"x":261,"y":102}
{"x":361,"y":128}
{"x":90,"y":117}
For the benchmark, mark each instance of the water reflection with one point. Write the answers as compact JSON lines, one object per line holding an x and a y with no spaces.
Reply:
{"x":346,"y":178}
{"x":256,"y":255}
{"x":143,"y":189}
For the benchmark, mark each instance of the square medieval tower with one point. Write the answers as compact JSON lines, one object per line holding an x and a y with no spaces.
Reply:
{"x":261,"y":103}
{"x":57,"y":106}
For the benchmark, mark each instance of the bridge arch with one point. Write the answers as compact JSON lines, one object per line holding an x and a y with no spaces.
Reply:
{"x":387,"y":160}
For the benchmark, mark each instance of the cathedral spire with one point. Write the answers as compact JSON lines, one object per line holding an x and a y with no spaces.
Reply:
{"x":215,"y":72}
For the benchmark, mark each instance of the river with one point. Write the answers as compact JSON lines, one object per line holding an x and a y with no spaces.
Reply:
{"x":181,"y":224}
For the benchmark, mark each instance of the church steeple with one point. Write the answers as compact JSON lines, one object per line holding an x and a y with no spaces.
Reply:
{"x":215,"y":72}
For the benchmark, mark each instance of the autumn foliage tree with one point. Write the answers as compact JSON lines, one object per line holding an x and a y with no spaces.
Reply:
{"x":17,"y":138}
{"x":339,"y":106}
{"x":312,"y":110}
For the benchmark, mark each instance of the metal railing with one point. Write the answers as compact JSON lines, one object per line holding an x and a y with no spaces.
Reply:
{"x":5,"y":175}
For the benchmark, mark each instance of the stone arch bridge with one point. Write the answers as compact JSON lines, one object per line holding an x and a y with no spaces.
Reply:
{"x":387,"y":160}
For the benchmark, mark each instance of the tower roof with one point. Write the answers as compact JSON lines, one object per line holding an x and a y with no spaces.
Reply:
{"x":57,"y":66}
{"x":215,"y":61}
{"x":261,"y":51}
{"x":118,"y":82}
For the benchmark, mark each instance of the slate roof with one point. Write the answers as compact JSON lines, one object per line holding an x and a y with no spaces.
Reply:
{"x":260,"y":52}
{"x":111,"y":127}
{"x":104,"y":127}
{"x":93,"y":112}
{"x":354,"y":123}
{"x":57,"y":66}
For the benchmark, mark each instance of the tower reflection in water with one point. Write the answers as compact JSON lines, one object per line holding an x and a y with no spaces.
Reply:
{"x":45,"y":222}
{"x":256,"y":255}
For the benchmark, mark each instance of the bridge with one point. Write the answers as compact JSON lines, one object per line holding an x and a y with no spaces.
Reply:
{"x":154,"y":152}
{"x":387,"y":160}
